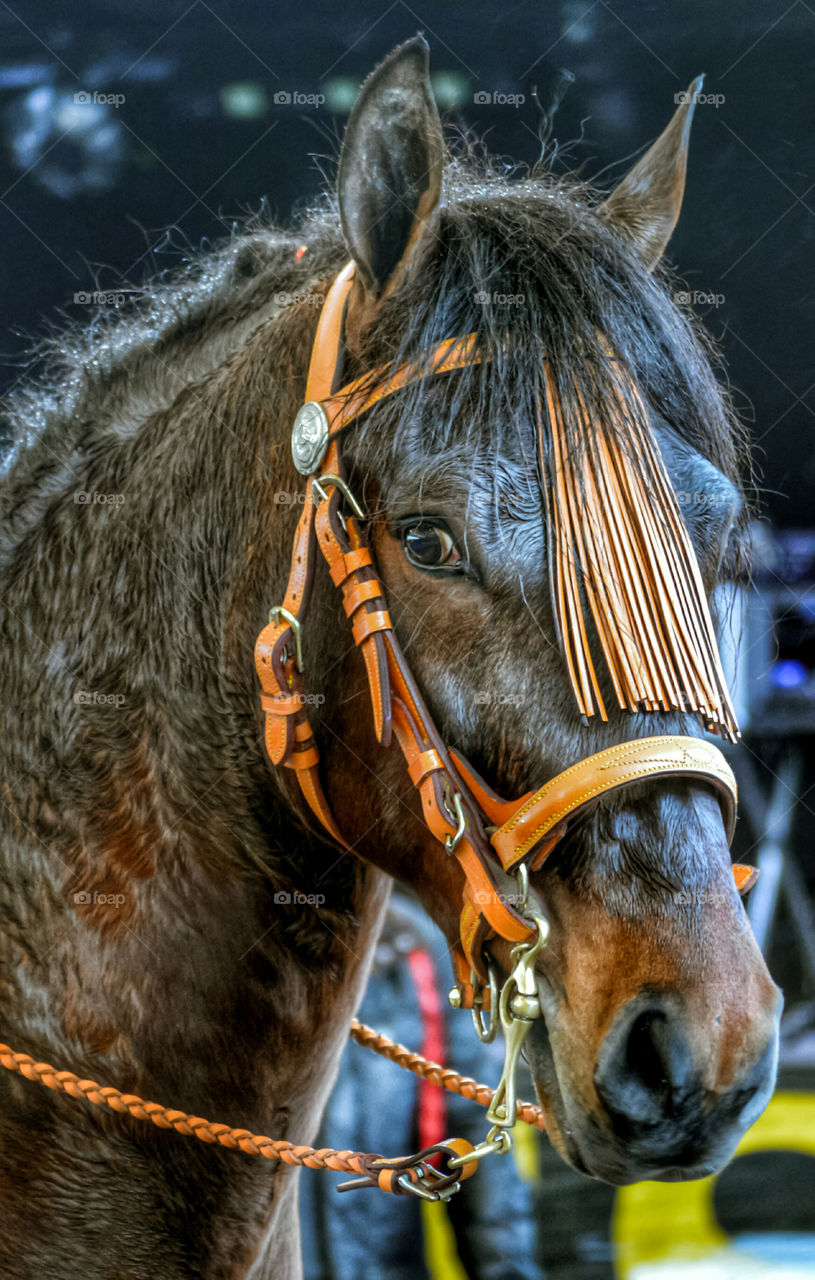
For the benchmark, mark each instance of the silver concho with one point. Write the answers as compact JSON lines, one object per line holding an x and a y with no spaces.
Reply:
{"x":309,"y":437}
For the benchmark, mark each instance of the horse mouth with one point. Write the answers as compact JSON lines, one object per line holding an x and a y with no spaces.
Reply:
{"x":615,"y":1169}
{"x":584,"y":1140}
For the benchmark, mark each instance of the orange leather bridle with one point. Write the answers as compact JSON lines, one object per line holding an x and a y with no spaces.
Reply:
{"x":492,"y":839}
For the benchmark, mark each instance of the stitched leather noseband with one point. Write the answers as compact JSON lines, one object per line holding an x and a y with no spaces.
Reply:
{"x":491,"y":838}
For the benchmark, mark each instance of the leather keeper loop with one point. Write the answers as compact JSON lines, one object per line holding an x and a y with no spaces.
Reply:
{"x":424,"y":764}
{"x":360,"y":558}
{"x":367,"y":624}
{"x":281,"y":704}
{"x":303,"y":759}
{"x":359,"y":593}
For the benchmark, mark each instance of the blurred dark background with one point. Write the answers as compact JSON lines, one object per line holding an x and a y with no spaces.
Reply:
{"x":180,"y":128}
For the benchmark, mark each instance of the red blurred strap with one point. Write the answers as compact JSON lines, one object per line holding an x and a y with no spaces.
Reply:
{"x":432,"y":1126}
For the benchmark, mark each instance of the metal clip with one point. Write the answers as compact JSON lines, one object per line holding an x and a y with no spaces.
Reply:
{"x":518,"y":1006}
{"x":497,"y":1142}
{"x":486,"y":1034}
{"x":278,"y":612}
{"x":433,"y":1184}
{"x":424,"y":1188}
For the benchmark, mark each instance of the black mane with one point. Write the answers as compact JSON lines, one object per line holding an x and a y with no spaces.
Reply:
{"x":583,"y":287}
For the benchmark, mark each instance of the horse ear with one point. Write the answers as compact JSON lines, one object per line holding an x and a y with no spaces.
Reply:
{"x":646,"y":204}
{"x":390,"y":168}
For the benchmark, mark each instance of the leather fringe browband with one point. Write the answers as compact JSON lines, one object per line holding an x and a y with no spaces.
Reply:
{"x":621,"y":547}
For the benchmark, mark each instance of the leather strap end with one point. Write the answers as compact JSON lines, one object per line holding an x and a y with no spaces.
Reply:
{"x":744,"y":876}
{"x":279,"y":737}
{"x":376,"y":666}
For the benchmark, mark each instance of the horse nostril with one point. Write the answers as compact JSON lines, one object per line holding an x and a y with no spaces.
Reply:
{"x":645,"y":1070}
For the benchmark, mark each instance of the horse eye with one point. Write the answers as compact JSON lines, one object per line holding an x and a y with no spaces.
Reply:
{"x":430,"y":546}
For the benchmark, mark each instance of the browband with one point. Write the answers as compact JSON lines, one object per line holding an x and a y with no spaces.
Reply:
{"x":490,"y":837}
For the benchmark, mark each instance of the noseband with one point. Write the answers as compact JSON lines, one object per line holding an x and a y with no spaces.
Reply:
{"x":496,"y":842}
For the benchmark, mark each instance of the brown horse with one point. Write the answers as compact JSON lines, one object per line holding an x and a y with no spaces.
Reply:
{"x":173,"y":921}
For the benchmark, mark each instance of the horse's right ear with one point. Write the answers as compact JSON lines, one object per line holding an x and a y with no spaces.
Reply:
{"x":645,"y":206}
{"x":390,"y":169}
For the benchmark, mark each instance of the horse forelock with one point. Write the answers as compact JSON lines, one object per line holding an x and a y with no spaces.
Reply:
{"x":530,"y":270}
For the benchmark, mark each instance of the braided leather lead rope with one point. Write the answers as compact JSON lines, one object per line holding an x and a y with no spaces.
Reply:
{"x":366,"y":1164}
{"x":191,"y":1126}
{"x":444,"y":1077}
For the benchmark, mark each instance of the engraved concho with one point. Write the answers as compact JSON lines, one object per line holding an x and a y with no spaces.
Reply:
{"x":309,"y":437}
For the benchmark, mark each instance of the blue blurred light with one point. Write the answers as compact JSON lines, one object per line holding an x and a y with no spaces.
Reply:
{"x":789,"y":673}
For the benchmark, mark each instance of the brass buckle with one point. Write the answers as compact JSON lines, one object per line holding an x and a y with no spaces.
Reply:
{"x":451,"y":842}
{"x":317,"y":483}
{"x":278,"y":612}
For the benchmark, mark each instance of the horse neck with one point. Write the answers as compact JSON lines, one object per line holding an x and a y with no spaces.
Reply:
{"x":148,"y":608}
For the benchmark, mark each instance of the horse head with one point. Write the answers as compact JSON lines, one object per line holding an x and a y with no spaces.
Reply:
{"x":658,"y":1042}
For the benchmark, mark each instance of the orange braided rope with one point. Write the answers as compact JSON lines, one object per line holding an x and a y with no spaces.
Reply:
{"x":443,"y":1077}
{"x":254,"y":1144}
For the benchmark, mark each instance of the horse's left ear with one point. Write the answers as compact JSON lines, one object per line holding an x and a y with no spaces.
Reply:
{"x":646,"y":204}
{"x":390,"y":169}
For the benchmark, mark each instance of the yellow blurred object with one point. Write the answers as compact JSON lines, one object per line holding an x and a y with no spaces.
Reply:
{"x":440,"y":1251}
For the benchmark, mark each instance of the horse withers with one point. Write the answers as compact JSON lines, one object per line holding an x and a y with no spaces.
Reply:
{"x":174,"y":920}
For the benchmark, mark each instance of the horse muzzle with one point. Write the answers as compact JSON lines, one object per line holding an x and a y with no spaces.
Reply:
{"x":661,"y":1108}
